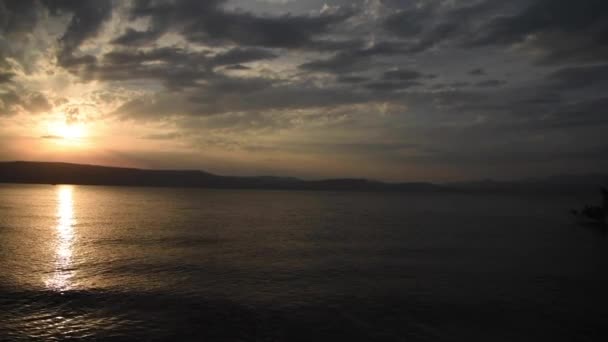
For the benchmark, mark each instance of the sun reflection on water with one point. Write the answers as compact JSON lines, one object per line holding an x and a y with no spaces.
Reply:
{"x":61,"y":278}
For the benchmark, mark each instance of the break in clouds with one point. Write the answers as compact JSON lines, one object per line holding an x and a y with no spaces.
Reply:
{"x":393,"y":89}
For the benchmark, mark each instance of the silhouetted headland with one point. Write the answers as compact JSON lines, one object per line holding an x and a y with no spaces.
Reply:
{"x":67,"y":173}
{"x":595,"y":213}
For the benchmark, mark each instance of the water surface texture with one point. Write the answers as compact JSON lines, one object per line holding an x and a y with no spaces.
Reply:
{"x":112,"y":263}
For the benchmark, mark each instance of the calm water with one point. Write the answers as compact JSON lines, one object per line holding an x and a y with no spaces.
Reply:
{"x":158,"y":264}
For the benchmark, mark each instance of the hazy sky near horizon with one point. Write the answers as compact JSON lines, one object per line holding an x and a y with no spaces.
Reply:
{"x":386,"y":89}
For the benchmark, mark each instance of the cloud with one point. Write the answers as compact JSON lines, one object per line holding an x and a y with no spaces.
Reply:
{"x":558,"y":31}
{"x":5,"y":77}
{"x":351,"y":79}
{"x":490,"y":83}
{"x":238,"y":67}
{"x":578,"y":113}
{"x":12,"y":102}
{"x":86,"y":22}
{"x":175,"y":67}
{"x":339,"y":63}
{"x":563,"y":30}
{"x":240,"y":56}
{"x":72,"y":115}
{"x":477,"y":72}
{"x":580,"y":76}
{"x":391,"y":85}
{"x":402,"y":75}
{"x":18,"y":16}
{"x":412,"y":21}
{"x":132,"y":37}
{"x":52,"y":137}
{"x":164,"y":136}
{"x":397,"y":82}
{"x":208,"y":22}
{"x":230,"y":95}
{"x":353,"y":59}
{"x":428,"y":24}
{"x":18,"y":20}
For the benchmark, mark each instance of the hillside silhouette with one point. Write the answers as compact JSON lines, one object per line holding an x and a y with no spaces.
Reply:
{"x":67,"y":173}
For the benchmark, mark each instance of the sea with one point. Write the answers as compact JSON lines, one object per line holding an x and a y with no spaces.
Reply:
{"x":167,"y":264}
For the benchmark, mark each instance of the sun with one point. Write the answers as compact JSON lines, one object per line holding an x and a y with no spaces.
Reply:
{"x":67,"y":131}
{"x":71,"y":131}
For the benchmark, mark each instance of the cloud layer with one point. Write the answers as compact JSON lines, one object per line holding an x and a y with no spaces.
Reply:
{"x":390,"y":89}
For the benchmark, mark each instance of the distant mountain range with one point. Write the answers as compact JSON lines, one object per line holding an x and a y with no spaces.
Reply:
{"x":65,"y":173}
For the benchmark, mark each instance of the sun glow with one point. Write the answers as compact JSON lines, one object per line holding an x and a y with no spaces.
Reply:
{"x":71,"y":131}
{"x":67,"y":131}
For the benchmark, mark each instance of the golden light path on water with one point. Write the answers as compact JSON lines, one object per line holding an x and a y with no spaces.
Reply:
{"x":60,"y":279}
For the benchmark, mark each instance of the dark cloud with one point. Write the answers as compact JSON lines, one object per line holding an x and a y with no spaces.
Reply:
{"x":18,"y":19}
{"x":412,"y":21}
{"x":459,"y":84}
{"x":136,"y":38}
{"x":86,"y":22}
{"x":241,"y":55}
{"x":169,"y":55}
{"x":175,"y":67}
{"x":208,"y":22}
{"x":14,"y":102}
{"x":561,"y":31}
{"x":237,"y":67}
{"x":575,"y":114}
{"x":36,"y":103}
{"x":585,"y":113}
{"x":351,"y":79}
{"x":164,"y":136}
{"x":430,"y":23}
{"x":392,"y":80}
{"x":580,"y":76}
{"x":232,"y":95}
{"x":76,"y":63}
{"x":8,"y":102}
{"x":455,"y":85}
{"x":221,"y":84}
{"x":402,"y":75}
{"x":18,"y":16}
{"x":434,"y":36}
{"x":565,"y":30}
{"x":391,"y":86}
{"x":5,"y":77}
{"x":164,"y":16}
{"x":490,"y":83}
{"x":477,"y":72}
{"x":249,"y":30}
{"x":540,"y":16}
{"x":340,"y":63}
{"x":353,"y":60}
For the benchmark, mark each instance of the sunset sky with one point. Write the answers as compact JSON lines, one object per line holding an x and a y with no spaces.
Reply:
{"x":394,"y":90}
